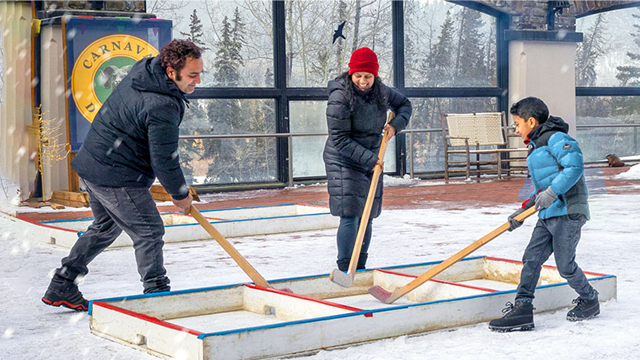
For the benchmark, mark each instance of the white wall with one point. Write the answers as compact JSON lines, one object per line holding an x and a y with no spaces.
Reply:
{"x":16,"y":145}
{"x":546,"y":70}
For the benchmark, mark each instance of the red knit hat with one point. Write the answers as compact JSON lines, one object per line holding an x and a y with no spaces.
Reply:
{"x":364,"y":59}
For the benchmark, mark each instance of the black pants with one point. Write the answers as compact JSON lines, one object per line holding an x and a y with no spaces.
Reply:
{"x":560,"y":236}
{"x":347,"y":233}
{"x":133,"y":210}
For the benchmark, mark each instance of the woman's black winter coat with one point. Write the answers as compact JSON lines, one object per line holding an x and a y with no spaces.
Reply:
{"x":351,"y":150}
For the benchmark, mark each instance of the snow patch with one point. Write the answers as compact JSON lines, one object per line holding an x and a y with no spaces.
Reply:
{"x":398,"y":181}
{"x":632,"y":174}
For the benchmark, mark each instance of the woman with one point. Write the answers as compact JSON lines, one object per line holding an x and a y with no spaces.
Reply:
{"x":356,"y":117}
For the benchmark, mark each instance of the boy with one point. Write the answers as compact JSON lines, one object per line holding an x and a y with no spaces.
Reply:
{"x":555,"y":165}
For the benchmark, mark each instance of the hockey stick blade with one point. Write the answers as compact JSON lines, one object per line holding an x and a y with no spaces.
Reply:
{"x":381,"y":294}
{"x":340,"y":278}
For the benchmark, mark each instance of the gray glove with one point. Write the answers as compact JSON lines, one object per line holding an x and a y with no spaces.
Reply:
{"x":545,"y":198}
{"x":513,"y":223}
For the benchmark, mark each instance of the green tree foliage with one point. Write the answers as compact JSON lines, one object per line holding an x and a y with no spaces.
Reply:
{"x":237,"y":160}
{"x":629,"y":75}
{"x":191,"y":150}
{"x":195,"y":34}
{"x":228,"y":58}
{"x":437,"y":67}
{"x":589,"y":51}
{"x":470,"y":67}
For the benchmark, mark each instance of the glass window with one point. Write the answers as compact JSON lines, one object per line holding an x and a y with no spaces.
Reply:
{"x":609,"y":54}
{"x":598,"y":142}
{"x":309,"y":117}
{"x":237,"y":37}
{"x":448,"y":45}
{"x":228,"y":161}
{"x":428,"y":146}
{"x":312,"y":55}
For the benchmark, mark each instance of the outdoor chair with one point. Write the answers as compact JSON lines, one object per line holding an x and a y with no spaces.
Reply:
{"x":475,"y":144}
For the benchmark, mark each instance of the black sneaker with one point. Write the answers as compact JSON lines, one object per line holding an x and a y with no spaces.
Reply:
{"x":584,"y":310}
{"x":516,"y":317}
{"x":66,"y":294}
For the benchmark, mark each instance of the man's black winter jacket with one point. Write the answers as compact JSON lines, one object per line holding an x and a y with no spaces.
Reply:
{"x":134,"y":137}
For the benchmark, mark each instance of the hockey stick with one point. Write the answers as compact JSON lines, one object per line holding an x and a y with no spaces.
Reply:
{"x":337,"y":276}
{"x":389,"y":297}
{"x":235,"y":255}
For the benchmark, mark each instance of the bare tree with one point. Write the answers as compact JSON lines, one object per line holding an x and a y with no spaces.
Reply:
{"x":171,"y":7}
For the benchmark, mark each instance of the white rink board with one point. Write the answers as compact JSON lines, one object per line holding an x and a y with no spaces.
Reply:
{"x":243,"y":321}
{"x":236,"y":222}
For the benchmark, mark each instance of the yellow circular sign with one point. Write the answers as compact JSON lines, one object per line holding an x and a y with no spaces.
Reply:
{"x":101,"y":66}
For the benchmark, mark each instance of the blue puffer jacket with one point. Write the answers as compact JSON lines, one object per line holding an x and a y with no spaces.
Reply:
{"x":555,"y":160}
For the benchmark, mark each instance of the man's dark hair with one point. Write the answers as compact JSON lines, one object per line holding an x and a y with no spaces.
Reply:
{"x":531,"y":107}
{"x":176,"y":52}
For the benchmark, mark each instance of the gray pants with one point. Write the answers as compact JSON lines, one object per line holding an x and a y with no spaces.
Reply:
{"x":560,"y":236}
{"x":133,"y":210}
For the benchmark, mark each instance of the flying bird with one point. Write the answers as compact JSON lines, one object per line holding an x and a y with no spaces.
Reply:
{"x":338,"y":33}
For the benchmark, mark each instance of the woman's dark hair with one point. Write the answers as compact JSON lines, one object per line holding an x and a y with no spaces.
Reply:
{"x":531,"y":107}
{"x":176,"y":52}
{"x":377,"y":95}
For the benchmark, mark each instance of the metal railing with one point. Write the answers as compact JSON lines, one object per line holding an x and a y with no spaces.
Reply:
{"x":290,"y":137}
{"x":409,"y":132}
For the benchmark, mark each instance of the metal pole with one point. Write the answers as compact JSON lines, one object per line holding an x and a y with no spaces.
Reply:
{"x":411,"y":154}
{"x":290,"y":160}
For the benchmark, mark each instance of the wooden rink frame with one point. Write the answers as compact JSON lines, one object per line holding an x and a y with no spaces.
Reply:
{"x":244,"y":321}
{"x":231,"y":222}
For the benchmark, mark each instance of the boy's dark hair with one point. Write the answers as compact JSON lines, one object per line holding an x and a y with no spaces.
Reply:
{"x":531,"y":107}
{"x":176,"y":52}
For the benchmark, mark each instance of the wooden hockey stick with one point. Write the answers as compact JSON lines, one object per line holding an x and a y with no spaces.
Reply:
{"x":337,"y":276}
{"x":235,"y":255}
{"x":389,"y":297}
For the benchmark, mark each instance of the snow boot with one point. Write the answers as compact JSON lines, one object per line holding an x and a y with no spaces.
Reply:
{"x":516,"y":317}
{"x":62,"y":292}
{"x":343,"y":264}
{"x":585,"y":309}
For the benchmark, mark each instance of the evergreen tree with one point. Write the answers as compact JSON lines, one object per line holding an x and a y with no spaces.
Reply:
{"x":589,"y":51}
{"x":629,"y":75}
{"x":226,"y":63}
{"x":238,"y":38}
{"x":195,"y":31}
{"x":225,"y":114}
{"x":587,"y":54}
{"x":439,"y":63}
{"x":470,"y":67}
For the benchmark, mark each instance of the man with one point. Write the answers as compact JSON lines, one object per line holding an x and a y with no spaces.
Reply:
{"x":133,"y":140}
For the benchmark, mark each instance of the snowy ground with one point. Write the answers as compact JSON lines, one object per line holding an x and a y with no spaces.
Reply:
{"x":610,"y":244}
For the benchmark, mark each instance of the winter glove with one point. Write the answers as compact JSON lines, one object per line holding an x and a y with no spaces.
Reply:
{"x":513,"y":223}
{"x":545,"y":198}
